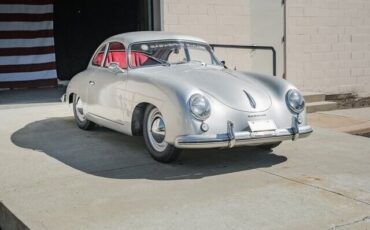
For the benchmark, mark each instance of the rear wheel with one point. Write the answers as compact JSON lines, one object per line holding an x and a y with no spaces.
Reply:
{"x":79,"y":114}
{"x":269,"y":146}
{"x":154,"y":136}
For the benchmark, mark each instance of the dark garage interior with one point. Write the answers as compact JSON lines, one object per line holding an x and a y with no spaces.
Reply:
{"x":81,"y":25}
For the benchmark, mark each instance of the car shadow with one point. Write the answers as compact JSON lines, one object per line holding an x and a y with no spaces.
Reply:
{"x":106,"y":153}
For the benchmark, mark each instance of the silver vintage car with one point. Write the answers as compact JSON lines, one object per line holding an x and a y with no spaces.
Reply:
{"x":171,"y":89}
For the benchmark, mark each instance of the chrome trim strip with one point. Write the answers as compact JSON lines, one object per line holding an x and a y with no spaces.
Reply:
{"x":252,"y":102}
{"x":103,"y":118}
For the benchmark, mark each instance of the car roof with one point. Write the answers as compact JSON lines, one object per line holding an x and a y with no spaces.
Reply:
{"x":143,"y":36}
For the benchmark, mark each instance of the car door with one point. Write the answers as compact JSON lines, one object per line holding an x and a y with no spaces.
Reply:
{"x":107,"y":86}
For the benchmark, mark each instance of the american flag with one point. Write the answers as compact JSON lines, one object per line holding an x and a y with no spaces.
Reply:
{"x":27,"y":54}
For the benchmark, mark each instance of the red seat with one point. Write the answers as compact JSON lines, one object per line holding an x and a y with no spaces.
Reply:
{"x":138,"y":59}
{"x":118,"y":56}
{"x":98,"y":59}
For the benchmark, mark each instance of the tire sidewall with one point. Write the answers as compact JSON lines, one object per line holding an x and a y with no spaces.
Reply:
{"x":85,"y":124}
{"x":167,"y":155}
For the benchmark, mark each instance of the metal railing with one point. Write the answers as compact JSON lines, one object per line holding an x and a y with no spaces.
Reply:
{"x":251,"y":47}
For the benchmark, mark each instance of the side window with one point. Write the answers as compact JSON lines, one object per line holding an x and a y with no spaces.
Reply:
{"x":98,"y":59}
{"x":116,"y":53}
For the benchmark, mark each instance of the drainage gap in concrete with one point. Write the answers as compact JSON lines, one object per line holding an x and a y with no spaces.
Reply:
{"x":9,"y":221}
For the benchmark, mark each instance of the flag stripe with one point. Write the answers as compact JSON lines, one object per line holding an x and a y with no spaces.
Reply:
{"x":25,"y":26}
{"x":26,"y":17}
{"x":23,"y":76}
{"x":26,"y":34}
{"x":25,"y":9}
{"x":19,"y":43}
{"x":26,"y":51}
{"x":27,"y":59}
{"x":27,"y":68}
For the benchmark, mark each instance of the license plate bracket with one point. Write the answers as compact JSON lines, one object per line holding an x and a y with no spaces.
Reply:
{"x":262,"y":125}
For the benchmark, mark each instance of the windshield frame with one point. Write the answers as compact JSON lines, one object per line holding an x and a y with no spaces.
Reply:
{"x":170,"y":40}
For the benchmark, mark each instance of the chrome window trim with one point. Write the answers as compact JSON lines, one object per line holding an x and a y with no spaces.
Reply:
{"x":95,"y":53}
{"x":166,"y":40}
{"x":107,"y":48}
{"x":101,"y":66}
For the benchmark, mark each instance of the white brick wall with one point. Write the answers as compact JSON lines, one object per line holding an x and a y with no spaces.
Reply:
{"x":328,"y":45}
{"x":216,"y":21}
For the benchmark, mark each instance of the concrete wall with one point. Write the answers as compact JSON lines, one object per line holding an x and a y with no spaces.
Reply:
{"x":328,"y":45}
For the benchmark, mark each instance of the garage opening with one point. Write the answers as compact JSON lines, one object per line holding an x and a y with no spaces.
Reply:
{"x":81,"y":25}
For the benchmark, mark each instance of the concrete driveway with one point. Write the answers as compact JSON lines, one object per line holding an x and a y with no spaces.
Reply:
{"x":56,"y":176}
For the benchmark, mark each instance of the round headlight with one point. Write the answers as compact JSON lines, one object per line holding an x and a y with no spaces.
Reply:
{"x":295,"y":100}
{"x":199,"y":107}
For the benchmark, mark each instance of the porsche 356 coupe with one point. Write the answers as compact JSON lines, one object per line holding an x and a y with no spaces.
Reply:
{"x":172,"y":89}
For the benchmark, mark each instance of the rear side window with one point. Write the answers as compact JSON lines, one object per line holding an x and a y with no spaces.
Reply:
{"x":116,"y":53}
{"x":98,"y":59}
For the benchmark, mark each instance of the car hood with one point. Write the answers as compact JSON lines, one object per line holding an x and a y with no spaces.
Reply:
{"x":231,"y":88}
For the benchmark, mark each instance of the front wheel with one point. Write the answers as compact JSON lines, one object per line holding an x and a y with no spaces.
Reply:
{"x":79,"y":114}
{"x":154,"y":136}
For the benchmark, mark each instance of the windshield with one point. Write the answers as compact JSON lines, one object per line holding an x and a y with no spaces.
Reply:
{"x":170,"y":52}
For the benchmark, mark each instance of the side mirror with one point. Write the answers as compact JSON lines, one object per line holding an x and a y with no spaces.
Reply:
{"x":223,"y":63}
{"x":114,"y":68}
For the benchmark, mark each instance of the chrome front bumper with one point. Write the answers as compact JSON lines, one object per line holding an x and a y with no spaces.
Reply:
{"x":245,"y":138}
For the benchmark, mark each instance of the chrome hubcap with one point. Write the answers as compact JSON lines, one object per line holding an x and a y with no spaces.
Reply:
{"x":80,"y":110}
{"x":156,"y":130}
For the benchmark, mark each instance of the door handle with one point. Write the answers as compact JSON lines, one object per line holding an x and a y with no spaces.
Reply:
{"x":92,"y":82}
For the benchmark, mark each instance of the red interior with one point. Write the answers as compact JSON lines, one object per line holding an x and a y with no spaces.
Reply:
{"x":98,"y":59}
{"x":138,"y":59}
{"x":119,"y":56}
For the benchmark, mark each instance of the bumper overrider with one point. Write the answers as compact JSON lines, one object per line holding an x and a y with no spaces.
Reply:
{"x":244,"y":138}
